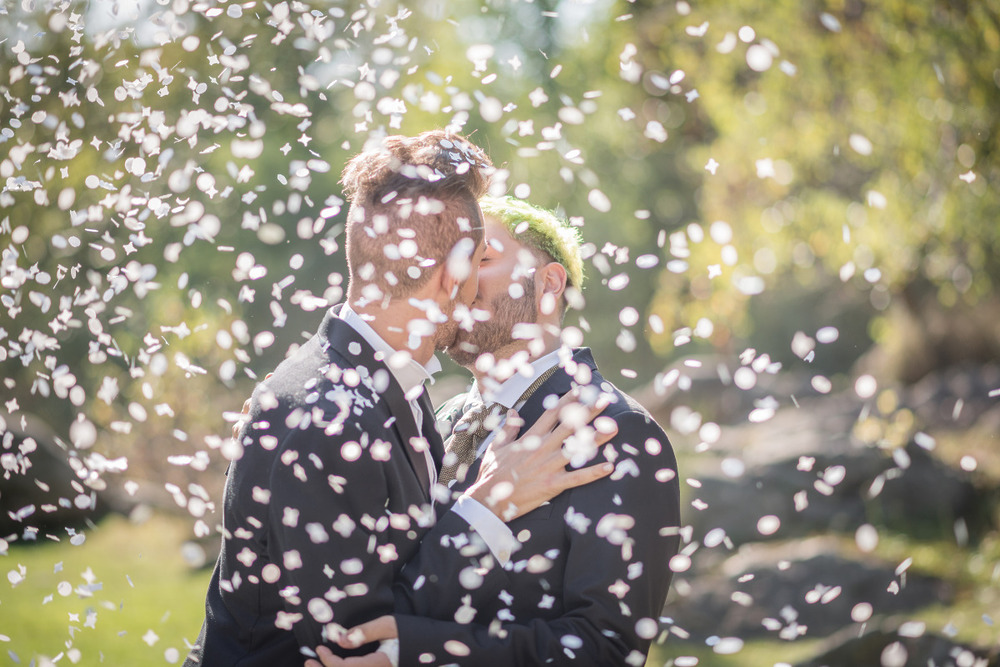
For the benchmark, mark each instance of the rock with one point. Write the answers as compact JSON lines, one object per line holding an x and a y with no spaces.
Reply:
{"x":955,"y":397}
{"x":804,"y":598}
{"x":705,"y":383}
{"x":768,"y":499}
{"x":892,"y":648}
{"x":821,"y":491}
{"x":815,"y":426}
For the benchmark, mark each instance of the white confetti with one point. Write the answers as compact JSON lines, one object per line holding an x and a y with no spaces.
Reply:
{"x":860,"y":144}
{"x":759,"y":58}
{"x":830,"y":22}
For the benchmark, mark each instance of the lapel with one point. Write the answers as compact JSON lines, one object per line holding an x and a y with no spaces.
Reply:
{"x":355,"y":350}
{"x":559,"y":384}
{"x":429,"y":429}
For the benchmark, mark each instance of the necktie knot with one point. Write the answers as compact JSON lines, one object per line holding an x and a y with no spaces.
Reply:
{"x":470,"y":430}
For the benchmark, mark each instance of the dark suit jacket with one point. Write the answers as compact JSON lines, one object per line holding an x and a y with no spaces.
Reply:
{"x":589,"y":583}
{"x":326,"y":503}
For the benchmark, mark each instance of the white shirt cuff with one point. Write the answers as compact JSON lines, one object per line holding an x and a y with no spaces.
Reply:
{"x":495,"y":533}
{"x":391,"y":649}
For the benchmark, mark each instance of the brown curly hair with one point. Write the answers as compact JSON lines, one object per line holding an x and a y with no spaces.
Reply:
{"x":412,"y":199}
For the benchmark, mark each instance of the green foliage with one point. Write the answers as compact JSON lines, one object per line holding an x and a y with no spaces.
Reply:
{"x":864,"y":147}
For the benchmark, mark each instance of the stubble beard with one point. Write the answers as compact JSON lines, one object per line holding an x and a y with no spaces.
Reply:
{"x":446,"y":335}
{"x":495,"y":334}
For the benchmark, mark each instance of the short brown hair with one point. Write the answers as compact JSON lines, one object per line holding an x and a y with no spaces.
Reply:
{"x":409,"y":197}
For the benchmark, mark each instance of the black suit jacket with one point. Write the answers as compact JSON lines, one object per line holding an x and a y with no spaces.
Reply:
{"x":589,"y":583}
{"x":326,"y":503}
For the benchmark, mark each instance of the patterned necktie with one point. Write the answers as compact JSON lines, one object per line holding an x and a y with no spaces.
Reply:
{"x":472,"y":428}
{"x":469,"y":432}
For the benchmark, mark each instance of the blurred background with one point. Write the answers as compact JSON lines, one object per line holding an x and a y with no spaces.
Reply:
{"x":792,"y":216}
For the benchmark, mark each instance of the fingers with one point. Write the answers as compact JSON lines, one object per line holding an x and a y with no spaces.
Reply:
{"x":573,"y":411}
{"x":327,"y":657}
{"x":575,"y":442}
{"x":238,"y":424}
{"x":383,"y":627}
{"x":550,"y":418}
{"x":508,"y":432}
{"x":375,"y":659}
{"x":571,"y":430}
{"x":576,"y":424}
{"x":583,"y":476}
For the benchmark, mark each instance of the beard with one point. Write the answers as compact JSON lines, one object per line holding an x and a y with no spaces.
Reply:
{"x":446,"y":335}
{"x":495,"y":334}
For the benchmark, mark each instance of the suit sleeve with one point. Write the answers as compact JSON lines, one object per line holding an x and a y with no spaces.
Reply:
{"x":620,"y":533}
{"x":330,"y":531}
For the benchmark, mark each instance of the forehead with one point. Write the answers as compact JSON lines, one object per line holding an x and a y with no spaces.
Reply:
{"x":498,"y":236}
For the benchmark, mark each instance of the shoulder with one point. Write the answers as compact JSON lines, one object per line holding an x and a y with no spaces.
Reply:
{"x":319,"y":371}
{"x":639,"y":434}
{"x":313,"y":404}
{"x":622,"y":404}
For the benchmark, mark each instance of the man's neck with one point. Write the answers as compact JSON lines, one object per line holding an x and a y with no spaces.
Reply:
{"x":389,"y":319}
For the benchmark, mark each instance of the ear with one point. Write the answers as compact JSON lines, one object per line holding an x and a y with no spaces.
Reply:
{"x":448,"y":284}
{"x":457,"y":267}
{"x":441,"y":287}
{"x":550,"y":283}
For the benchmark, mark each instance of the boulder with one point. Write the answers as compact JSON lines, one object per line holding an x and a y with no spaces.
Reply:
{"x":903,"y":647}
{"x":821,"y":491}
{"x":811,"y":598}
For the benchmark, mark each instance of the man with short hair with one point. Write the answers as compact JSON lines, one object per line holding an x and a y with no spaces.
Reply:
{"x":333,"y":490}
{"x":588,"y":582}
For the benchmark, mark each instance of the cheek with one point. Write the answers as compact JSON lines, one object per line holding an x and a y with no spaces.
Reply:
{"x":469,"y":289}
{"x":490,"y":285}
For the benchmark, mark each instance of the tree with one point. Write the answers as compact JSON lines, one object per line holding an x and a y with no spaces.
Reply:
{"x":846,"y":150}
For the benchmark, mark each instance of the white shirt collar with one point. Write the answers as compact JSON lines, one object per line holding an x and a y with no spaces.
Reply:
{"x":408,"y":373}
{"x":511,"y":389}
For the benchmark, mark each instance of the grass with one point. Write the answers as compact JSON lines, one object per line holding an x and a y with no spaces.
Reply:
{"x":760,"y":653}
{"x":147,"y":605}
{"x":143,"y":606}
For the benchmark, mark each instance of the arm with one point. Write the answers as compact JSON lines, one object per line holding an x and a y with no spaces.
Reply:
{"x":614,"y":582}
